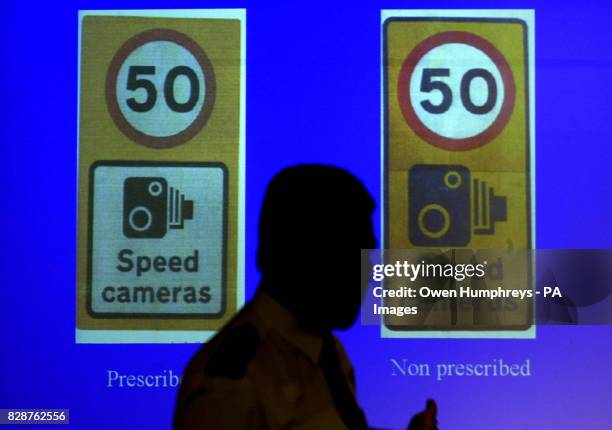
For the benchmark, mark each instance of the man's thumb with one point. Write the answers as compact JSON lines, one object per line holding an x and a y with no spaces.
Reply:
{"x":425,"y":420}
{"x":431,"y":410}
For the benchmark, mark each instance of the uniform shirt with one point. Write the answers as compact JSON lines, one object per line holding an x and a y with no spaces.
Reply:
{"x":260,"y":372}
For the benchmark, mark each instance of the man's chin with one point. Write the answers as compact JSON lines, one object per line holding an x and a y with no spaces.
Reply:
{"x":344,"y":322}
{"x":331,"y":319}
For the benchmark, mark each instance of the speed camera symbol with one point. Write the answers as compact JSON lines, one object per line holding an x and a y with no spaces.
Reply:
{"x":151,"y":207}
{"x":447,"y":205}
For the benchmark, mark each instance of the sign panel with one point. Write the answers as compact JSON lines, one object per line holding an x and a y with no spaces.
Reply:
{"x":161,"y":174}
{"x":458,"y":133}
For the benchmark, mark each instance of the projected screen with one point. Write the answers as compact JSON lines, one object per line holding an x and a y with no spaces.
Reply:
{"x":187,"y":193}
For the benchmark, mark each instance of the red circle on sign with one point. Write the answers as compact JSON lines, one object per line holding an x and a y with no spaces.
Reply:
{"x":403,"y":91}
{"x":156,"y":35}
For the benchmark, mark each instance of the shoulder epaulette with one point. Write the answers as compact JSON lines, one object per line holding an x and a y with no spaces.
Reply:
{"x":234,"y":352}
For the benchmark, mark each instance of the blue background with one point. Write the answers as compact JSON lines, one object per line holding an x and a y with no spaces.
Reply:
{"x":313,"y":81}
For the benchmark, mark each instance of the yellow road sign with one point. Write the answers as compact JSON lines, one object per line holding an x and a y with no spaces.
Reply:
{"x":161,"y":174}
{"x":458,"y":130}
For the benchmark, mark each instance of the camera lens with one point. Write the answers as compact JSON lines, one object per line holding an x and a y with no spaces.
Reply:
{"x":434,"y":221}
{"x":140,"y":218}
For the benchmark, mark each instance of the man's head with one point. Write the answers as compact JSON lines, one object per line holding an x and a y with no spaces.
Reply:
{"x":314,"y":221}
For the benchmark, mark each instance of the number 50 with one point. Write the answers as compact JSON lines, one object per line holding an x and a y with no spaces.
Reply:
{"x":428,"y":85}
{"x":134,"y":83}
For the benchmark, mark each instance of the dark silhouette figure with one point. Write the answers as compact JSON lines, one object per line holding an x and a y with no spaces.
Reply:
{"x":276,"y":365}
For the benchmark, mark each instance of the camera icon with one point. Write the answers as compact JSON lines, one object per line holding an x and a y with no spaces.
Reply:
{"x":446,"y":205}
{"x":151,"y":207}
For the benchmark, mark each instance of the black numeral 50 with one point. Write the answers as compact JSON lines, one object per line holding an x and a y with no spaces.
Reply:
{"x":134,"y":82}
{"x":429,"y":85}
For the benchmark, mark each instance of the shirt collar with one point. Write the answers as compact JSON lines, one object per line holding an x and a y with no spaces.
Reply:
{"x":276,"y":317}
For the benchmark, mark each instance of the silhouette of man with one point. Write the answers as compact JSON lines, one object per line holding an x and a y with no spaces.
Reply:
{"x":276,"y":365}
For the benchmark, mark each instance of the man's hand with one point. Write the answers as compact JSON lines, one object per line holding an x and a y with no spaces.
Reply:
{"x":425,"y":420}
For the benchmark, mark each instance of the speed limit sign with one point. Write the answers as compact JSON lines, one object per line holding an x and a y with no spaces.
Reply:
{"x":458,"y":140}
{"x":456,"y":90}
{"x":161,"y":174}
{"x":160,"y":88}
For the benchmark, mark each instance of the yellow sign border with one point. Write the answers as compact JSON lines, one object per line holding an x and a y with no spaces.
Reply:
{"x":525,"y":17}
{"x":191,"y":335}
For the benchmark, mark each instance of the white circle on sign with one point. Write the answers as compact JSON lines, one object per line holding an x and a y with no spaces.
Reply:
{"x":456,"y":60}
{"x":155,"y":188}
{"x":160,"y":88}
{"x":138,"y":225}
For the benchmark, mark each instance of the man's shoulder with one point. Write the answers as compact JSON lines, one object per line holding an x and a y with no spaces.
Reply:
{"x":215,"y":384}
{"x":220,"y":366}
{"x":230,"y":354}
